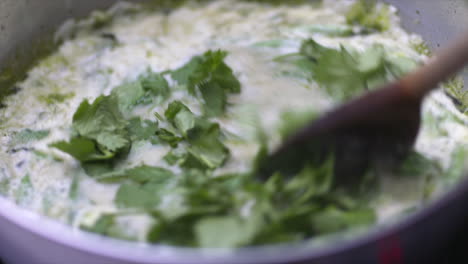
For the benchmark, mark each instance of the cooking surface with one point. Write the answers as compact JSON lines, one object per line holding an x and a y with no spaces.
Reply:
{"x":405,"y":11}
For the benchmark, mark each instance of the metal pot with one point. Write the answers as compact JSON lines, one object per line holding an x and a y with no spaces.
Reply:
{"x":28,"y":238}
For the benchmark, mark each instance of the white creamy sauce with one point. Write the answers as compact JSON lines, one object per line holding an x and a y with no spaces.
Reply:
{"x":89,"y":66}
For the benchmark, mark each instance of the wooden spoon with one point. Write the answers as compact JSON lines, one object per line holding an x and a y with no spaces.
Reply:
{"x":381,"y":126}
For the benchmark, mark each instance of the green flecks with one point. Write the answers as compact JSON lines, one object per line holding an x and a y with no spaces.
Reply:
{"x":55,"y":98}
{"x":24,"y":192}
{"x":370,"y":15}
{"x":27,"y":136}
{"x":455,"y":89}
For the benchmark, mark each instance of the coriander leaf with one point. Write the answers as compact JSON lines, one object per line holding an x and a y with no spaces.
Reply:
{"x":180,"y":116}
{"x":155,"y":85}
{"x":223,"y":232}
{"x":311,"y":181}
{"x":133,"y":195}
{"x":109,"y":224}
{"x":178,"y":231}
{"x":370,"y":15}
{"x":97,"y":168}
{"x":399,"y":66}
{"x":141,"y":174}
{"x":214,"y":97}
{"x":175,"y":156}
{"x":100,"y":131}
{"x":185,"y":73}
{"x":102,"y":224}
{"x":333,"y":220}
{"x":336,"y":72}
{"x":27,"y":135}
{"x":169,"y":137}
{"x":99,"y":121}
{"x":82,"y":149}
{"x":128,"y":95}
{"x":24,"y":191}
{"x":345,"y":74}
{"x":212,"y":77}
{"x":207,"y":149}
{"x":143,"y":130}
{"x":455,"y":89}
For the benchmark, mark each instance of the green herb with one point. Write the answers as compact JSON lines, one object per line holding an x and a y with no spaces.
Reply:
{"x":333,"y":220}
{"x":132,"y":195}
{"x":142,"y":174}
{"x":101,"y":131}
{"x":108,"y":225}
{"x":224,"y":232}
{"x":181,"y":117}
{"x":143,"y":130}
{"x":142,"y":188}
{"x":149,"y":88}
{"x":455,"y":89}
{"x":156,"y":87}
{"x":102,"y":225}
{"x":24,"y":192}
{"x":74,"y":188}
{"x":345,"y":74}
{"x":169,"y":137}
{"x":370,"y":15}
{"x":209,"y":75}
{"x":128,"y":95}
{"x":27,"y":136}
{"x":206,"y":150}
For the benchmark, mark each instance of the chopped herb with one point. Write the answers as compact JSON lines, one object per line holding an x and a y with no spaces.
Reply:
{"x":345,"y":74}
{"x":370,"y":15}
{"x":142,"y":174}
{"x":24,"y":191}
{"x":27,"y":136}
{"x":133,"y":195}
{"x":101,"y":131}
{"x":74,"y":188}
{"x":212,"y":77}
{"x":83,"y":150}
{"x":455,"y":89}
{"x":156,"y":87}
{"x":102,"y":224}
{"x":223,"y":232}
{"x":333,"y":220}
{"x":169,"y":137}
{"x":143,"y":130}
{"x":206,"y":150}
{"x":128,"y":95}
{"x":181,"y":117}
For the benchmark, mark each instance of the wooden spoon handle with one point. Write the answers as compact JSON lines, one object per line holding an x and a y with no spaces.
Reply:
{"x":446,"y":62}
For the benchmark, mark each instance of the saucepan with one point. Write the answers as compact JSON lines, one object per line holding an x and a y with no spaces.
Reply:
{"x":26,"y":238}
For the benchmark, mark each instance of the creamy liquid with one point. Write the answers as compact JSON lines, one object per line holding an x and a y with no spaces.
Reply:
{"x":89,"y":65}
